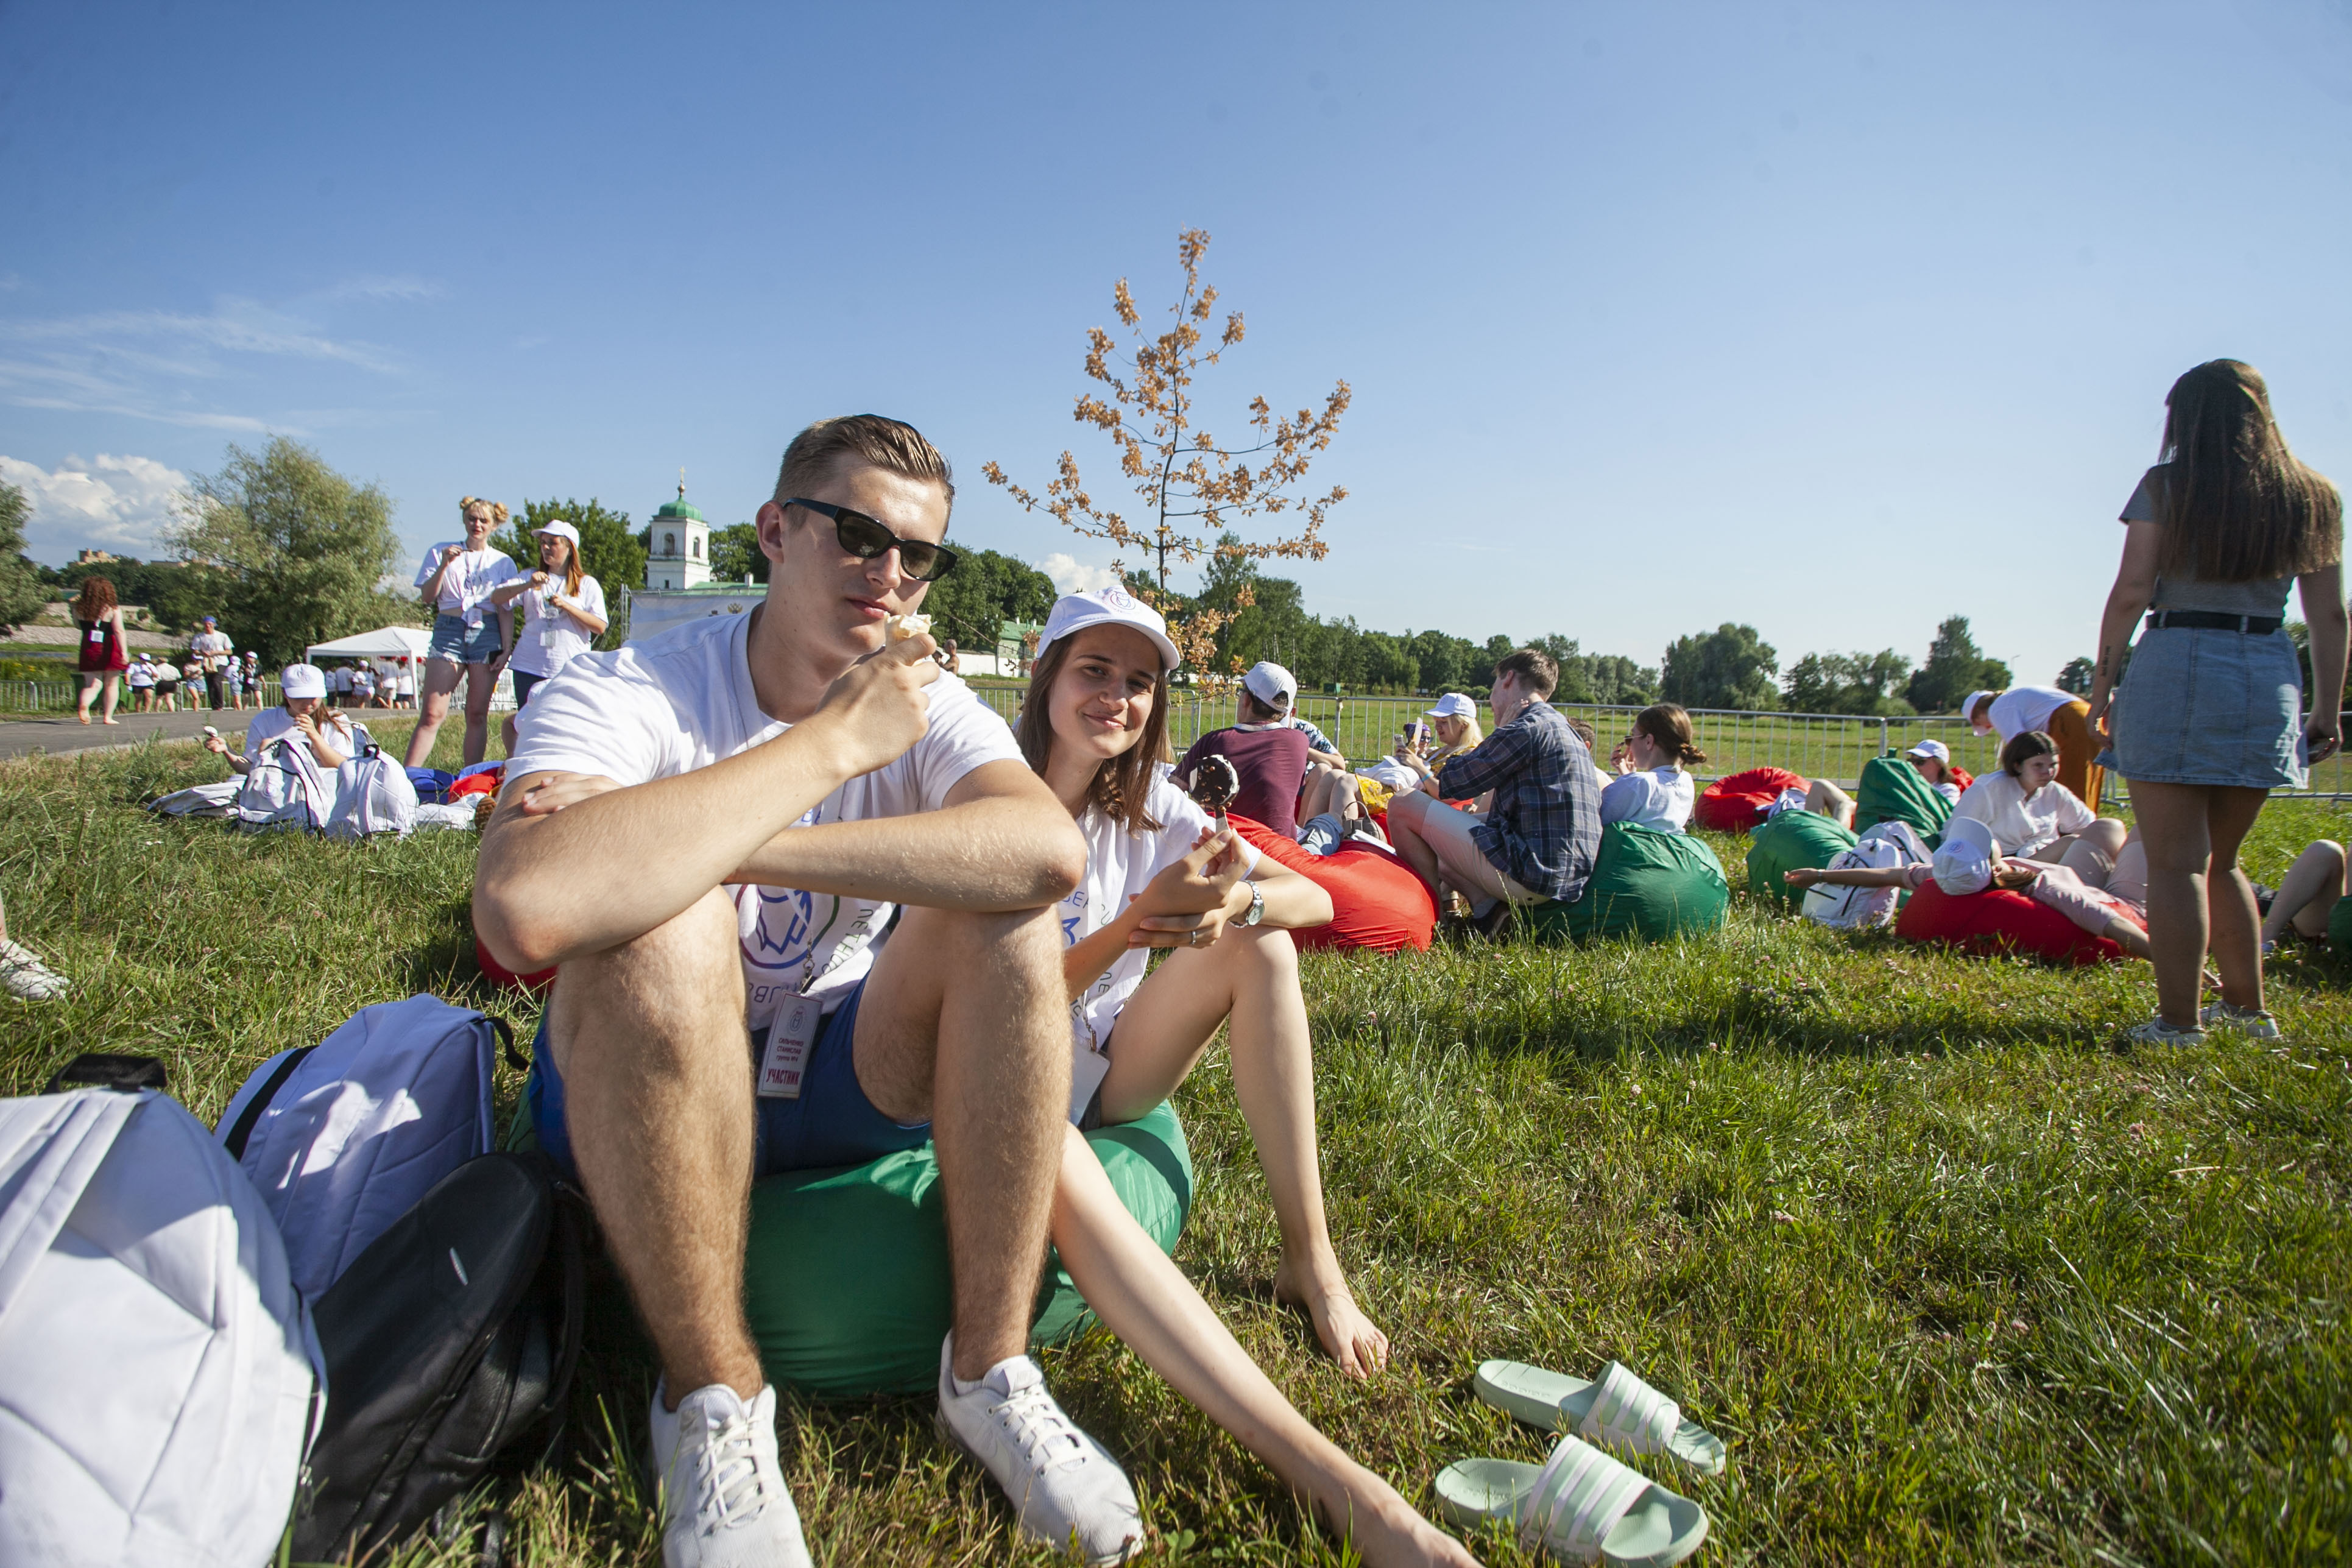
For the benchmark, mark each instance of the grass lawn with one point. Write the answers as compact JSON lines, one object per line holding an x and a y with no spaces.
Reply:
{"x":1955,"y":1277}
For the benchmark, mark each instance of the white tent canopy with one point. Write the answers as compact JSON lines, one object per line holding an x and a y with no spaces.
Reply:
{"x":385,"y":642}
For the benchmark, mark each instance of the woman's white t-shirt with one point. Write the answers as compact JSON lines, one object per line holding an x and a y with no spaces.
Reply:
{"x":1119,"y":867}
{"x":271,"y":723}
{"x":550,"y":637}
{"x":472,"y":577}
{"x":1659,"y":798}
{"x":2020,"y":826}
{"x":682,"y":701}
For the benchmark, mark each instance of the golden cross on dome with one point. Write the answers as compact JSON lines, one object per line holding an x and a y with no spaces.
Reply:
{"x":681,"y":484}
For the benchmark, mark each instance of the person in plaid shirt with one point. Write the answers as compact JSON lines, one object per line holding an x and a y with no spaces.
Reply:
{"x":1540,"y":840}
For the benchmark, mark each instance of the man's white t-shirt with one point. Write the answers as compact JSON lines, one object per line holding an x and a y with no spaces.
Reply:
{"x":552,"y":639}
{"x":2023,"y":708}
{"x":208,"y":648}
{"x":470,"y":580}
{"x":1661,"y":798}
{"x":2020,"y":825}
{"x":1119,"y":867}
{"x":683,"y":701}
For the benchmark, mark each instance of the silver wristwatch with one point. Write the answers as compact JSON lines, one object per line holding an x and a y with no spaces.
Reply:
{"x":1256,"y":908}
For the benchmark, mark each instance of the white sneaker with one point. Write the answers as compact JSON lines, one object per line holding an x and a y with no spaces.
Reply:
{"x":1063,"y":1485}
{"x":24,"y":975}
{"x":722,"y":1494}
{"x":2157,"y":1032}
{"x":2254,"y":1023}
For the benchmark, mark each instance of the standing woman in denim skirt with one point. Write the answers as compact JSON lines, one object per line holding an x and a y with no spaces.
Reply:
{"x":2209,"y":719}
{"x":470,"y":635}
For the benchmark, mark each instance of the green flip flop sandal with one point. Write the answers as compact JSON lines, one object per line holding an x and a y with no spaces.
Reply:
{"x":1579,"y":1506}
{"x":1619,"y":1410}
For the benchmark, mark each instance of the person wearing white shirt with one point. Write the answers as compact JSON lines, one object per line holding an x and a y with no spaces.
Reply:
{"x":141,"y":678}
{"x":2032,"y":816}
{"x":563,"y":613}
{"x":788,"y":839}
{"x":1653,"y":787}
{"x":2063,"y":716}
{"x":470,"y":635}
{"x":1932,"y":760}
{"x":1162,"y":874}
{"x":211,"y":648}
{"x":329,"y":737}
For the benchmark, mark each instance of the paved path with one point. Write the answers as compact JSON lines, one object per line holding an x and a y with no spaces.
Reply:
{"x":23,"y":737}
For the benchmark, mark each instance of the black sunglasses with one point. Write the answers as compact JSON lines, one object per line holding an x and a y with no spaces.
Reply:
{"x":867,"y":538}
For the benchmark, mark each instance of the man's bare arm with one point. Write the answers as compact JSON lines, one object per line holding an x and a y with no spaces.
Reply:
{"x":1002,"y":842}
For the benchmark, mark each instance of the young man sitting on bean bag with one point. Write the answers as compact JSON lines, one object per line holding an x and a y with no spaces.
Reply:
{"x":1539,"y":841}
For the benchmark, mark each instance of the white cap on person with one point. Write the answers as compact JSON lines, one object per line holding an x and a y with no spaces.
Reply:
{"x":1271,"y":684}
{"x":1963,"y":862}
{"x":1969,"y":711}
{"x":1936,"y":749}
{"x":303,"y":680}
{"x":1453,"y":705}
{"x":559,"y":529}
{"x":1111,"y":606}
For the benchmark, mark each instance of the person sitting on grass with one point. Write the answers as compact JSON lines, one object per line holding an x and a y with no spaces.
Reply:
{"x":1161,"y":874}
{"x":1277,"y":690}
{"x":2034,"y":817}
{"x":1455,"y":720}
{"x":1539,"y":841}
{"x":1270,"y":756}
{"x":2306,"y":895}
{"x":866,"y":903}
{"x":331,"y":739}
{"x":1932,"y":759}
{"x":2023,"y":709}
{"x":1652,"y":788}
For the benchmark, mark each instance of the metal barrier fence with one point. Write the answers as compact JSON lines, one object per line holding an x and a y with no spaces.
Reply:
{"x":1818,"y":745}
{"x":62,"y":695}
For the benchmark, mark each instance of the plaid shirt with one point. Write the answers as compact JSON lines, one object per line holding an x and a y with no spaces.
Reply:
{"x":1543,"y":832}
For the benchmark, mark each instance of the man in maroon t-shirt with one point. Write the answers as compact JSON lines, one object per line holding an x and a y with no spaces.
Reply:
{"x":1270,"y":757}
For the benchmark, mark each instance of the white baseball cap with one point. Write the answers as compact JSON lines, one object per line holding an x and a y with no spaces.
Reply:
{"x":303,"y":680}
{"x":1114,"y":606}
{"x":1969,"y":710}
{"x":560,"y":529}
{"x":1453,"y":705}
{"x":1271,"y":684}
{"x":1936,"y":749}
{"x":1963,"y":862}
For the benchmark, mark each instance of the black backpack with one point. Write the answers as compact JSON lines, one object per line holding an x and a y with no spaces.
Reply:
{"x":450,"y":1343}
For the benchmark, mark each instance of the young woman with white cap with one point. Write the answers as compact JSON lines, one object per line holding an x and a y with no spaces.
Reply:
{"x":332,"y":739}
{"x":562,"y":614}
{"x":1933,"y":762}
{"x":1160,"y":873}
{"x":1455,"y":720}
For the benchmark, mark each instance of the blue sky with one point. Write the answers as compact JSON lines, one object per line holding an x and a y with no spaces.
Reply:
{"x":1834,"y":320}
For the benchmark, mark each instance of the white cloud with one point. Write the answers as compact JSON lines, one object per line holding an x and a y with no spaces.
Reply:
{"x":1070,"y":577}
{"x":119,"y":504}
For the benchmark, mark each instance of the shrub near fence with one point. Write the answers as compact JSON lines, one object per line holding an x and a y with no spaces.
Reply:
{"x":1818,"y":745}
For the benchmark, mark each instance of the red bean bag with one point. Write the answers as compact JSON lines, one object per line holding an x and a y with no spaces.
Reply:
{"x":1959,"y":776}
{"x":1737,"y":803}
{"x":1377,"y":902}
{"x":1999,"y":921}
{"x":497,"y":973}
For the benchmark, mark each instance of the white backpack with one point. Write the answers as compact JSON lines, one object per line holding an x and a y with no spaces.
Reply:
{"x":372,"y":795}
{"x":284,"y":788}
{"x":342,"y":1138}
{"x":1883,"y":847}
{"x":159,"y":1376}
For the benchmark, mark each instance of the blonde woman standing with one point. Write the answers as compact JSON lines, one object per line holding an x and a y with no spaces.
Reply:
{"x":469,"y":642}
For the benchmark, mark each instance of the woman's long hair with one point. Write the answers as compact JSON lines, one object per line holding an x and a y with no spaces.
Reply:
{"x":2235,"y":504}
{"x":96,"y":597}
{"x":570,"y":562}
{"x":1121,"y":786}
{"x":1669,"y":729}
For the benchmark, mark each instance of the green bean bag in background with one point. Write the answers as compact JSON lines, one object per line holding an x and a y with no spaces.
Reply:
{"x":1893,"y":791}
{"x":845,"y":1276}
{"x":1792,"y":841}
{"x":1647,"y":882}
{"x":2340,"y":926}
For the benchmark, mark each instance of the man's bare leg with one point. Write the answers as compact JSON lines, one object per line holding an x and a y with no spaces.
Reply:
{"x":657,"y":1096}
{"x":965,"y":1021}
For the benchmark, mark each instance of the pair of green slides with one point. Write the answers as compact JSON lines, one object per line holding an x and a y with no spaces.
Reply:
{"x":1580,"y":1505}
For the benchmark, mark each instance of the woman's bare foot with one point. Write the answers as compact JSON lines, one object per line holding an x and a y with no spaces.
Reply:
{"x":83,"y":717}
{"x":1353,"y":1341}
{"x":110,"y":720}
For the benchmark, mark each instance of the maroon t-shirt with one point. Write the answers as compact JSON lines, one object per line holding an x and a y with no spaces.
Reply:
{"x":1272,"y":764}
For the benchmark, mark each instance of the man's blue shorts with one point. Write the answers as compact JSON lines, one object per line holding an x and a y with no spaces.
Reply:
{"x":452,"y":640}
{"x":832,"y":1123}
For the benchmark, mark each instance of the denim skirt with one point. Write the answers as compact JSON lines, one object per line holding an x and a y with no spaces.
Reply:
{"x":2209,"y":707}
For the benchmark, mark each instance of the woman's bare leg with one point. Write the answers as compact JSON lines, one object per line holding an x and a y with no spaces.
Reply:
{"x":1145,"y":1299}
{"x":2188,"y":830}
{"x":2308,"y":893}
{"x":1825,"y":799}
{"x":113,"y":695}
{"x":2235,"y":920}
{"x":441,"y":676}
{"x":480,"y":681}
{"x":1249,"y":981}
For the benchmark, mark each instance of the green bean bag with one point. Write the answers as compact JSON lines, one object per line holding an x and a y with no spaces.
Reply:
{"x":1647,"y":882}
{"x":1792,"y":841}
{"x":2340,"y":926}
{"x":1893,"y":791}
{"x":845,"y":1276}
